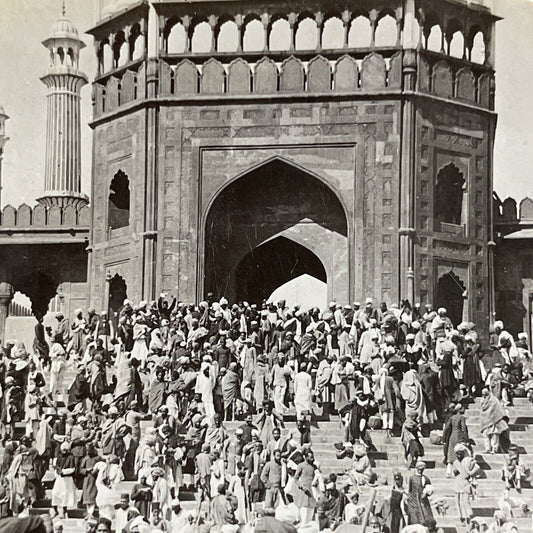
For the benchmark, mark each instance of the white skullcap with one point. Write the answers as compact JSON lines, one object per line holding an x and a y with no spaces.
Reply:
{"x":523,"y":336}
{"x":498,"y":324}
{"x":332,"y":303}
{"x":410,"y":336}
{"x":442,"y":310}
{"x":415,"y":325}
{"x":223,"y":301}
{"x":369,"y":301}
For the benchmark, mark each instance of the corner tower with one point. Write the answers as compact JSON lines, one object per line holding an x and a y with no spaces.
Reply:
{"x":64,"y":80}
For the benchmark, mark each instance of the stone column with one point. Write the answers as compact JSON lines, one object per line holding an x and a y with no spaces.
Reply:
{"x":6,"y":295}
{"x":346,"y":22}
{"x":408,"y":159}
{"x":151,"y":186}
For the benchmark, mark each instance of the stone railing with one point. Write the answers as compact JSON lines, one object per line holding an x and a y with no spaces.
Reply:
{"x":453,"y":79}
{"x":299,"y":73}
{"x":40,"y":217}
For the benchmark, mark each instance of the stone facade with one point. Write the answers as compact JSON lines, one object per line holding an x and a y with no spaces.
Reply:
{"x":373,"y":126}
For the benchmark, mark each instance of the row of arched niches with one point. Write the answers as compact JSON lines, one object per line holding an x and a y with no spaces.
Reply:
{"x":54,"y":216}
{"x":206,"y":50}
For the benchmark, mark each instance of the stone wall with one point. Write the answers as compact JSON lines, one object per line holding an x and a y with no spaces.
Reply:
{"x":449,"y":135}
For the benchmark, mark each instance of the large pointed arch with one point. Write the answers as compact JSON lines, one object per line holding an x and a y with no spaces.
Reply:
{"x":272,"y":264}
{"x":273,"y":209}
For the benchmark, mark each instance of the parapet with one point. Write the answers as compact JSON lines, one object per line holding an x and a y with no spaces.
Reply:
{"x":40,"y":217}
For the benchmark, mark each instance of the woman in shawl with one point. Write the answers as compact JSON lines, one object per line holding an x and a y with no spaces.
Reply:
{"x":109,"y":474}
{"x":472,"y":377}
{"x":230,"y":390}
{"x":492,"y":421}
{"x":140,"y":346}
{"x":87,"y":470}
{"x":340,"y":379}
{"x":396,"y":517}
{"x":124,"y":380}
{"x":79,"y":325}
{"x":262,"y":379}
{"x":303,"y":387}
{"x":79,"y":390}
{"x":387,"y":398}
{"x":64,"y":494}
{"x":323,"y":379}
{"x":413,"y":396}
{"x":448,"y":381}
{"x":18,"y":482}
{"x":412,"y":446}
{"x":455,"y":432}
{"x":157,"y":392}
{"x":419,"y":491}
{"x":429,"y":379}
{"x":98,"y":379}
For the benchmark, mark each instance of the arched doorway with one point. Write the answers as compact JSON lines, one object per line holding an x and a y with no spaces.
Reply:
{"x":270,"y":265}
{"x":450,"y":294}
{"x":271,"y":225}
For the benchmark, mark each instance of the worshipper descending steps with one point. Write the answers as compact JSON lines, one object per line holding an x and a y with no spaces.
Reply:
{"x":173,"y":417}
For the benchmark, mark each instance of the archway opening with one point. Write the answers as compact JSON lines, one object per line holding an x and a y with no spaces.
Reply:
{"x":271,"y":265}
{"x":449,"y":195}
{"x":304,"y":291}
{"x":450,"y":294}
{"x":272,"y":225}
{"x":119,"y":201}
{"x":118,"y":292}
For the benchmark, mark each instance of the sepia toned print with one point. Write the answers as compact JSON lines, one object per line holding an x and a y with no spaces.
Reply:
{"x":266,"y":275}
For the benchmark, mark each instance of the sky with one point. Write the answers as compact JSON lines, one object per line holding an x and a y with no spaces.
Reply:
{"x":25,"y":23}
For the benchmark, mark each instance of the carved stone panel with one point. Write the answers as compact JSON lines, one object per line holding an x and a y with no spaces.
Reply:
{"x":165,"y":79}
{"x":484,"y":83}
{"x":54,"y":216}
{"x":39,"y":215}
{"x":186,"y":77}
{"x":395,"y":71}
{"x":111,"y":91}
{"x":465,"y":85}
{"x":212,"y":77}
{"x":69,"y":216}
{"x":9,"y":216}
{"x":346,"y":74}
{"x":127,"y":91}
{"x":319,"y":75}
{"x":24,"y":216}
{"x":266,"y":76}
{"x":442,"y":80}
{"x":424,"y":75}
{"x":373,"y":72}
{"x":292,"y":75}
{"x":239,"y":76}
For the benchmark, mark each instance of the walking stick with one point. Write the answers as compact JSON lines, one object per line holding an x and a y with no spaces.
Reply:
{"x":366,"y":516}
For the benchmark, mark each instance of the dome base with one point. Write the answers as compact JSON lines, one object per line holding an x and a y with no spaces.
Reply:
{"x":76,"y":199}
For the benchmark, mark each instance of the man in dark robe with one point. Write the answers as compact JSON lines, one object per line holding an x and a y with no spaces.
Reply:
{"x":157,"y":392}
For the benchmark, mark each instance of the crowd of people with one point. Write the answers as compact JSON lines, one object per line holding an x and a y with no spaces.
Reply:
{"x":157,"y":383}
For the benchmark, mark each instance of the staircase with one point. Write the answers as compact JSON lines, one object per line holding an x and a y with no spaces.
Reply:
{"x":387,"y":458}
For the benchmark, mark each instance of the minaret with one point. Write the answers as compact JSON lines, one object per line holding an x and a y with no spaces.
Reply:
{"x":64,"y":80}
{"x":3,"y":139}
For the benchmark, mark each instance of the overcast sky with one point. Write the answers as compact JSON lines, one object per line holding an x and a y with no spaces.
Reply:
{"x":25,"y":23}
